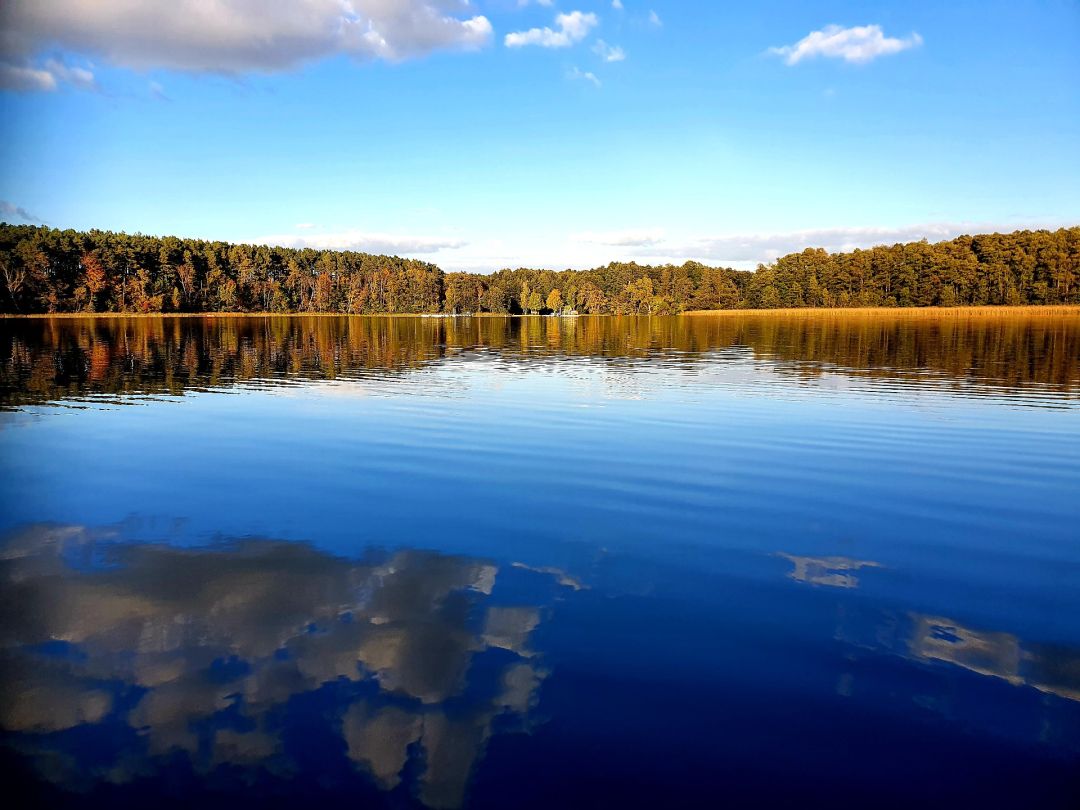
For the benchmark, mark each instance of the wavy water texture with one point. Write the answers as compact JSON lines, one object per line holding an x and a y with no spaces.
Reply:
{"x":1018,"y":356}
{"x":732,"y":560}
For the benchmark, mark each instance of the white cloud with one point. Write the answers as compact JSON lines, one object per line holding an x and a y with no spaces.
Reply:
{"x":77,"y":76}
{"x":584,"y":75}
{"x":654,"y":19}
{"x":631,"y":238}
{"x":572,"y":27}
{"x":617,"y":5}
{"x":363,"y":241}
{"x":859,"y":44}
{"x":609,"y":53}
{"x":44,"y":78}
{"x":23,"y":79}
{"x":11,"y":210}
{"x":230,"y":36}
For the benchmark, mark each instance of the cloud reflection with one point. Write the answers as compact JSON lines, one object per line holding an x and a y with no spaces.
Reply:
{"x":933,"y":639}
{"x":835,"y":572}
{"x":202,"y":651}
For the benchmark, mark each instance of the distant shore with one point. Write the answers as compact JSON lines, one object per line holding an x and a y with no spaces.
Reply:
{"x":909,"y":312}
{"x":100,"y":271}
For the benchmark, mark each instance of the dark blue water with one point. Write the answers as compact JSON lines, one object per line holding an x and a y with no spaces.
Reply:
{"x":744,"y":561}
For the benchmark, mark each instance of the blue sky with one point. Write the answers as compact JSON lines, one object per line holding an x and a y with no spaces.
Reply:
{"x":503,"y":133}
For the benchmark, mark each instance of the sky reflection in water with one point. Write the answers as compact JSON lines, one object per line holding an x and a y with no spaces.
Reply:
{"x":512,"y":562}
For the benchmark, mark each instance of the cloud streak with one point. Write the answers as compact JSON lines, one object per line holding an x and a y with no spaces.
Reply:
{"x":630,"y":238}
{"x":11,"y":210}
{"x":766,"y":247}
{"x":858,"y":45}
{"x":584,"y":75}
{"x":609,"y":53}
{"x":363,"y":241}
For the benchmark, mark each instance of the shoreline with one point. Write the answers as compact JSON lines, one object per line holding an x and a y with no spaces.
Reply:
{"x":978,"y":311}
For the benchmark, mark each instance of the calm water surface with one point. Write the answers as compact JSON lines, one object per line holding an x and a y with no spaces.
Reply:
{"x":535,"y":562}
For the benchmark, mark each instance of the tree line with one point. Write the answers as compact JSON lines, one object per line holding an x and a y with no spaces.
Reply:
{"x":48,"y":270}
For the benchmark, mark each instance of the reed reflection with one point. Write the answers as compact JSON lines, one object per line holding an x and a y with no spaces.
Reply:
{"x":45,"y":360}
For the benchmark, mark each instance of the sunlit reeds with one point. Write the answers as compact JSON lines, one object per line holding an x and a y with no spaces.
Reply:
{"x":1063,"y":310}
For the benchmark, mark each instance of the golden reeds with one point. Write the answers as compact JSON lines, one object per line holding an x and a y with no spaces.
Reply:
{"x":1060,"y":310}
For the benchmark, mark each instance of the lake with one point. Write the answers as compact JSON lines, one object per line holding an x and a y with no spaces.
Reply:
{"x":745,"y":560}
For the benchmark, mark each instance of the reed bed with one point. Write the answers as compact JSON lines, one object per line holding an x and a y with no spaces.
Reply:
{"x":1059,"y":310}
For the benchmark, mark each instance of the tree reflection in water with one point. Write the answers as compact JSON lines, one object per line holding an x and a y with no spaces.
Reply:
{"x":44,"y":360}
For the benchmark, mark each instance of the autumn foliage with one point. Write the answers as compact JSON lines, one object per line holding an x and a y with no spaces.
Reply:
{"x":47,"y":270}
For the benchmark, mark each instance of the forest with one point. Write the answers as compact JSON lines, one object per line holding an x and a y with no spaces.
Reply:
{"x":45,"y":270}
